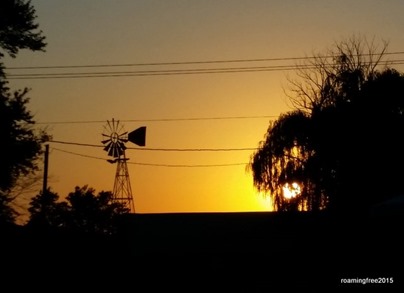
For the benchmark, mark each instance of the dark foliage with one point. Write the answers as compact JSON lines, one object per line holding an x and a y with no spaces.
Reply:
{"x":343,"y":144}
{"x":21,"y":143}
{"x":82,"y":212}
{"x":93,"y":213}
{"x":18,"y":29}
{"x":7,"y":214}
{"x":46,"y":211}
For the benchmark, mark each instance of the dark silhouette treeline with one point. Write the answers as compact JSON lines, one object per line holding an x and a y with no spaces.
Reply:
{"x":83,"y":210}
{"x":219,"y":252}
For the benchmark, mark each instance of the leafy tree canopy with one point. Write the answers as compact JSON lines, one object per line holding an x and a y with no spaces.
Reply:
{"x":21,"y":144}
{"x":18,"y":29}
{"x":343,"y":143}
{"x":46,"y":210}
{"x":83,"y":211}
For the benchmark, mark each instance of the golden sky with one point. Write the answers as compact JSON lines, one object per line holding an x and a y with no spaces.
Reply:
{"x":81,"y":33}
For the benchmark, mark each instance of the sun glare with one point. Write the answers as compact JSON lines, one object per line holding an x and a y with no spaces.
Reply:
{"x":291,"y":190}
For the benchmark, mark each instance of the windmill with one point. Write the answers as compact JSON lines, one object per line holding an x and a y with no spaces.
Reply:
{"x":115,"y":138}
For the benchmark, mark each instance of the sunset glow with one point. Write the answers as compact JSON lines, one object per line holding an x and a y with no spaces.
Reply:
{"x":291,"y":190}
{"x":214,"y":146}
{"x":265,"y":201}
{"x":189,"y":52}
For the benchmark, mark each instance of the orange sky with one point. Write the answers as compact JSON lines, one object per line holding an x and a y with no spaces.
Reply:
{"x":127,"y":32}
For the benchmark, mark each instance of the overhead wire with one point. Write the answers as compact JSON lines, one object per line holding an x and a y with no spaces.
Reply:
{"x":173,"y":72}
{"x":159,"y":149}
{"x":189,"y":62}
{"x":155,"y":72}
{"x":153,"y":164}
{"x":189,"y":71}
{"x":160,"y":63}
{"x":162,"y":73}
{"x":162,"y":119}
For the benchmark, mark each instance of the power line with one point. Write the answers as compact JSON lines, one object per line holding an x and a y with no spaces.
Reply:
{"x":161,"y":72}
{"x":93,"y":74}
{"x":163,"y":119}
{"x":159,"y":63}
{"x":174,"y":72}
{"x":148,"y":73}
{"x":189,"y":166}
{"x":197,"y":70}
{"x":160,"y":149}
{"x":156,"y":165}
{"x":188,"y":62}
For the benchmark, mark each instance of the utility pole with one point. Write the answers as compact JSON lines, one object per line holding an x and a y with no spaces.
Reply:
{"x":45,"y":170}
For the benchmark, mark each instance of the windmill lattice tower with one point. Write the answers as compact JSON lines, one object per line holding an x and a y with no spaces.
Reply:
{"x":115,"y":140}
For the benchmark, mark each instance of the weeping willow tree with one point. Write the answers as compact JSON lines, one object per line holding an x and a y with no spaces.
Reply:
{"x":284,"y":158}
{"x":320,"y":145}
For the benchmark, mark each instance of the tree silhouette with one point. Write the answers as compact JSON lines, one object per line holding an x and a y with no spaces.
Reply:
{"x":46,"y":211}
{"x":283,"y":158}
{"x":324,"y":144}
{"x":21,"y":143}
{"x":18,"y":29}
{"x":7,"y":214}
{"x":376,"y":124}
{"x":92,"y":213}
{"x":83,"y":211}
{"x":335,"y":76}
